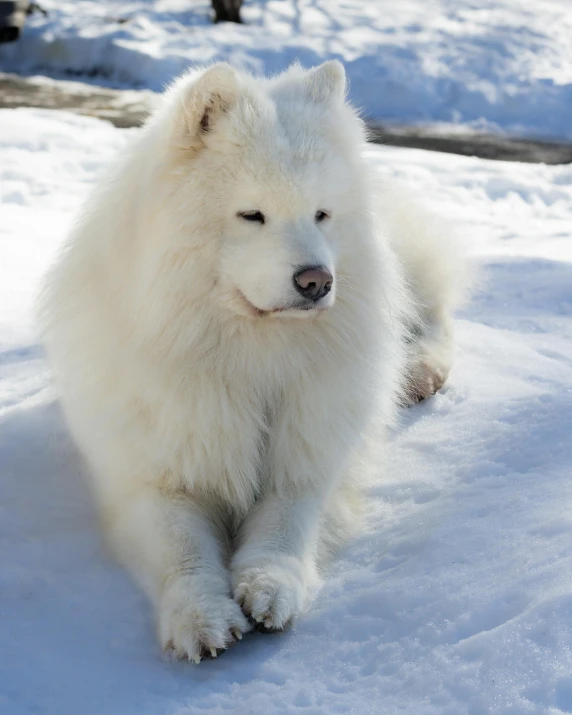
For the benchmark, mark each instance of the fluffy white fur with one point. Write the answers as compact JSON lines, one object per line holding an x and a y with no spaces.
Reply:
{"x":223,"y":416}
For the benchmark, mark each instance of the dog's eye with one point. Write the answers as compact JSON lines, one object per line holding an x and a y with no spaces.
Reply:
{"x":257,"y":216}
{"x":321,"y":216}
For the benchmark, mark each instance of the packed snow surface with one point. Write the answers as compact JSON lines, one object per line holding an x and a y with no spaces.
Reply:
{"x":456,"y":600}
{"x":498,"y":65}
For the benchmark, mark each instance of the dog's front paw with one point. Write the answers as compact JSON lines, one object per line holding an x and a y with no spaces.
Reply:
{"x":195,"y":623}
{"x":273,"y":594}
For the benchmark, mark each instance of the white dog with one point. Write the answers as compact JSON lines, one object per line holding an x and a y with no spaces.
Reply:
{"x":234,"y":306}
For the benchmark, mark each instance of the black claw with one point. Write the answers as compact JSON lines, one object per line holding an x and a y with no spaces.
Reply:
{"x":261,"y":628}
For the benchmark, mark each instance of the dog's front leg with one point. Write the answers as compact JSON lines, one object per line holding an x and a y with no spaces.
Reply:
{"x":274,"y":569}
{"x":315,"y":431}
{"x":171,"y":542}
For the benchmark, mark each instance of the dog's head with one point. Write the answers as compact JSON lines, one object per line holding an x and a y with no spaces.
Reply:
{"x":269,"y":174}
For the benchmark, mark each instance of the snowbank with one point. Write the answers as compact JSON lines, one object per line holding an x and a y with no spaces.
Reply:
{"x":497,"y":65}
{"x":458,"y":600}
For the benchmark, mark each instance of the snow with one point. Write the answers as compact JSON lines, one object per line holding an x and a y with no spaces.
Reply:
{"x":457,"y":600}
{"x":495,"y":65}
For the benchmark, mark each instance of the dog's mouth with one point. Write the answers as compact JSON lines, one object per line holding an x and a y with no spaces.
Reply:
{"x":294,"y":310}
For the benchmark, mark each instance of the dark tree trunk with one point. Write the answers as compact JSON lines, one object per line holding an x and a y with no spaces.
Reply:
{"x":227,"y":10}
{"x":12,"y":19}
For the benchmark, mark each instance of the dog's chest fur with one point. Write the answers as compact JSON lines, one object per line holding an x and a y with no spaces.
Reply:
{"x":218,"y":424}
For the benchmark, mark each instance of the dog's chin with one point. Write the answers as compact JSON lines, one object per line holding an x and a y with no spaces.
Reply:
{"x":301,"y":313}
{"x":298,"y":311}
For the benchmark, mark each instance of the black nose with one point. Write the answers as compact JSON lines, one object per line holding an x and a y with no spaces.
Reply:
{"x":313,"y":283}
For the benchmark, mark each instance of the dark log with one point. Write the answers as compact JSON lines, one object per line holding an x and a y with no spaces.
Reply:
{"x":12,"y":19}
{"x":227,"y":10}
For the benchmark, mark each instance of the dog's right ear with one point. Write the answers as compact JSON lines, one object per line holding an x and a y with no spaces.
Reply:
{"x":211,"y":95}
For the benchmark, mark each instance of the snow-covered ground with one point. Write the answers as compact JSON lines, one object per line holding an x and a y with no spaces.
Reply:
{"x":457,"y":600}
{"x":497,"y":65}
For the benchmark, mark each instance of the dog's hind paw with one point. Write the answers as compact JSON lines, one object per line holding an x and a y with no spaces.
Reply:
{"x":424,"y":381}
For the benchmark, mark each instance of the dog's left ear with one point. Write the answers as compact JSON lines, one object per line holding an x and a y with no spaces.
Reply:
{"x":212,"y":94}
{"x":326,"y":83}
